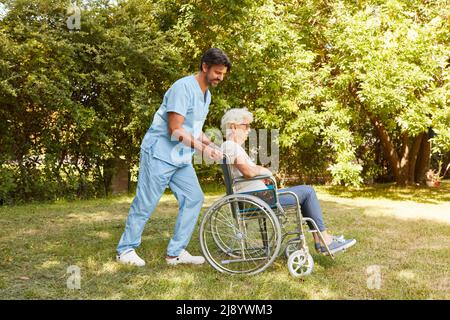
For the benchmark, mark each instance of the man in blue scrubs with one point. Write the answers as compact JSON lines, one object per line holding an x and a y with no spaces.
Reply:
{"x":165,"y":160}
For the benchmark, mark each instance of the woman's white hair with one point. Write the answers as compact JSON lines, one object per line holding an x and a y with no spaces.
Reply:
{"x":235,"y":116}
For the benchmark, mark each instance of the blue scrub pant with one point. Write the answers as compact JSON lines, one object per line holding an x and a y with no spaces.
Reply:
{"x":309,"y":203}
{"x":154,"y":176}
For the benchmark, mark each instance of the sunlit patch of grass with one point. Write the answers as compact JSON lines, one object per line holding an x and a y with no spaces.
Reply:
{"x":418,"y":194}
{"x":50,"y":264}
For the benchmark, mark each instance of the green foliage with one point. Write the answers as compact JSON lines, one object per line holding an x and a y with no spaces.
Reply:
{"x":321,"y":72}
{"x":7,"y":183}
{"x":73,"y":99}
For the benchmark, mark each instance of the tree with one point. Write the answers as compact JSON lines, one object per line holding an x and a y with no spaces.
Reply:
{"x":393,"y":60}
{"x":348,"y":84}
{"x":75,"y":99}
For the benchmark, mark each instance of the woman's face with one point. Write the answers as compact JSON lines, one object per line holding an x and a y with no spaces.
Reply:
{"x":240,"y":131}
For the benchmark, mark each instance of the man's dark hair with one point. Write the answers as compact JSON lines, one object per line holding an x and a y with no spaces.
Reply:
{"x":215,"y":56}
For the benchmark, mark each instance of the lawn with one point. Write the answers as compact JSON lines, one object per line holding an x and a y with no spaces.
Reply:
{"x":402,"y":232}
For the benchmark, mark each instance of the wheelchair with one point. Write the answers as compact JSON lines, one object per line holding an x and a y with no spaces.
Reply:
{"x":243,"y":233}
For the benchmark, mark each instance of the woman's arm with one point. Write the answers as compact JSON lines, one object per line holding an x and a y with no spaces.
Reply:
{"x":250,"y":171}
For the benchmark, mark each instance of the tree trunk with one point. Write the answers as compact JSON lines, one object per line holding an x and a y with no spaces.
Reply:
{"x":412,"y":163}
{"x":386,"y":144}
{"x":413,"y":157}
{"x":404,"y":161}
{"x":423,"y":160}
{"x":116,"y":176}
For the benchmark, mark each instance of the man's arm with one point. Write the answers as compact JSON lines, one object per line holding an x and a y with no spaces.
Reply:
{"x":204,"y":139}
{"x":177,"y":131}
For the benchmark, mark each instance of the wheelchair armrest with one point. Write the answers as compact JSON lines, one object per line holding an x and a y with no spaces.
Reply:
{"x":292,"y":194}
{"x":262,"y":177}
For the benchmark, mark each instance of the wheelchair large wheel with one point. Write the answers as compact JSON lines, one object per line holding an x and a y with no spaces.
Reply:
{"x":240,"y":234}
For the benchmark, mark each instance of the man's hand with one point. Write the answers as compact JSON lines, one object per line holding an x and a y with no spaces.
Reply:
{"x":176,"y":130}
{"x":213,"y":153}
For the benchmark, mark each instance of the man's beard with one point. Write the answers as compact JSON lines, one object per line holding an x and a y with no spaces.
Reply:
{"x":212,"y":82}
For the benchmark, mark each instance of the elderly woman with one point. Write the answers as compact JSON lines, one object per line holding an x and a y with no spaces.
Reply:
{"x":236,"y":125}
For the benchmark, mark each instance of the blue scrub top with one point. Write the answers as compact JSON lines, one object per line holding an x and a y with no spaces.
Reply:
{"x":186,"y":98}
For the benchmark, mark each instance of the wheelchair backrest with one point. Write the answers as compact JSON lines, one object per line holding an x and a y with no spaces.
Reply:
{"x":226,"y":169}
{"x":267,"y":195}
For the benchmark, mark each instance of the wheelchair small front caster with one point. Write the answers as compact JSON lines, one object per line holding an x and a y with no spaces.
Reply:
{"x":300,"y":263}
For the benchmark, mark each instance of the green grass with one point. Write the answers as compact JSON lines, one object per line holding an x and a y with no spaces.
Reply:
{"x":404,"y":231}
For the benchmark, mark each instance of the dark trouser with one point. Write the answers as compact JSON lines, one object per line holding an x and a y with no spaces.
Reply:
{"x":308,"y":201}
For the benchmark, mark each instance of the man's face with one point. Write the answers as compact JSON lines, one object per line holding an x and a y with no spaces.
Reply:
{"x":214,"y":74}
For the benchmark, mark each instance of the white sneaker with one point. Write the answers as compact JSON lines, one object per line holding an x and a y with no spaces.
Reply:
{"x":185,"y":257}
{"x":130,"y":257}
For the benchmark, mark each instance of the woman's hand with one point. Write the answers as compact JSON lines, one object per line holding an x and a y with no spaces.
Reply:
{"x":264,"y":171}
